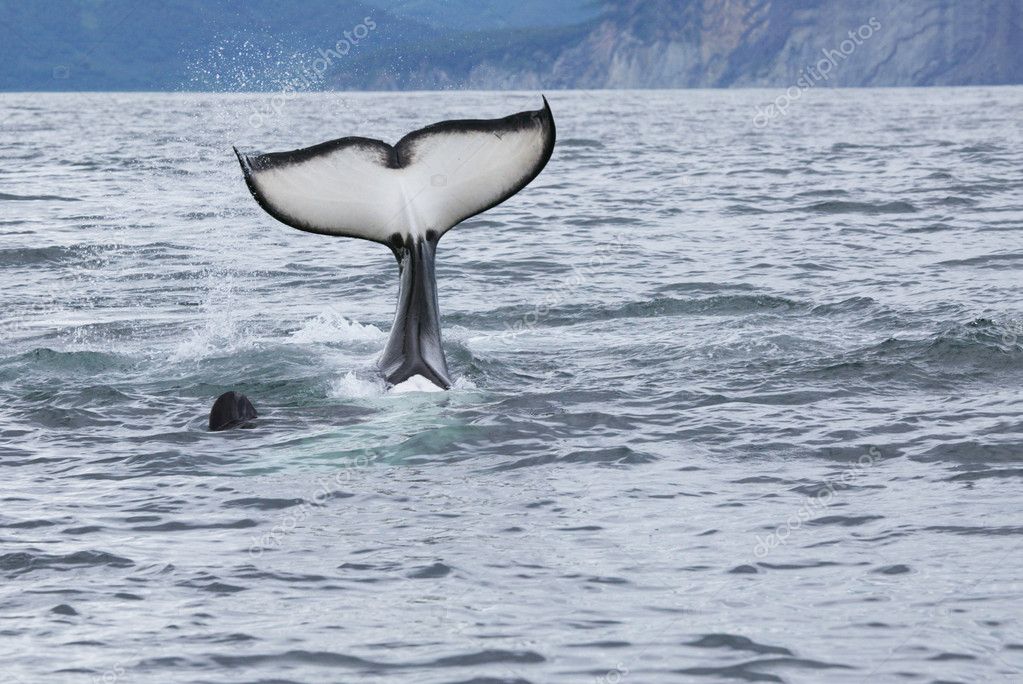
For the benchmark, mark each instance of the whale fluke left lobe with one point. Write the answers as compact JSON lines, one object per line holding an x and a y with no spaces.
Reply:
{"x":231,"y":410}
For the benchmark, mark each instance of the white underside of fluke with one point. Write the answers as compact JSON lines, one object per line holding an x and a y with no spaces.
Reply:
{"x":431,"y":180}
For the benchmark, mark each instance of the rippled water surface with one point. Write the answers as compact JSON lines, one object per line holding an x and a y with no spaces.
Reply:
{"x":734,"y":403}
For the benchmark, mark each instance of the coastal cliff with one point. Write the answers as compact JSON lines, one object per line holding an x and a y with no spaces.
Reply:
{"x":725,"y":43}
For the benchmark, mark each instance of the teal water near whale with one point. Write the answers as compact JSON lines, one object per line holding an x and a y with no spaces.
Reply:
{"x":732,"y":402}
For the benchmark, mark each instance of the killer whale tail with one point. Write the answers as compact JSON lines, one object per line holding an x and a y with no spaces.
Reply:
{"x":405,"y":196}
{"x":431,"y":180}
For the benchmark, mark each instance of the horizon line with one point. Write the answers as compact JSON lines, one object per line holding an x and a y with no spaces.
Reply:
{"x":293,"y":93}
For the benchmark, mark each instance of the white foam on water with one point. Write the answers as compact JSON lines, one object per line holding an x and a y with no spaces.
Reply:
{"x":223,"y":323}
{"x":354,"y":386}
{"x":220,"y":333}
{"x":331,"y":326}
{"x":351,"y":386}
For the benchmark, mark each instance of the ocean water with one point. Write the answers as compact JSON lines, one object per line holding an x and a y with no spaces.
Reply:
{"x":737,"y":399}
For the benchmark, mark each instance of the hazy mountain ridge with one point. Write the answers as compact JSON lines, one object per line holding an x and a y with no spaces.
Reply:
{"x":481,"y":15}
{"x":420,"y":44}
{"x":722,"y":43}
{"x":186,"y":44}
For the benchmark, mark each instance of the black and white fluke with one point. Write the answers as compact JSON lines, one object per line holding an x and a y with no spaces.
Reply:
{"x":405,"y":196}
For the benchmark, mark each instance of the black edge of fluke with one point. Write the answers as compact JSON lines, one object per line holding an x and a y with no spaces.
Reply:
{"x":231,"y":410}
{"x":414,"y":343}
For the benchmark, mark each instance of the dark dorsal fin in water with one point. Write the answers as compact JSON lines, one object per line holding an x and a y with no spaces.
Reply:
{"x":231,"y":410}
